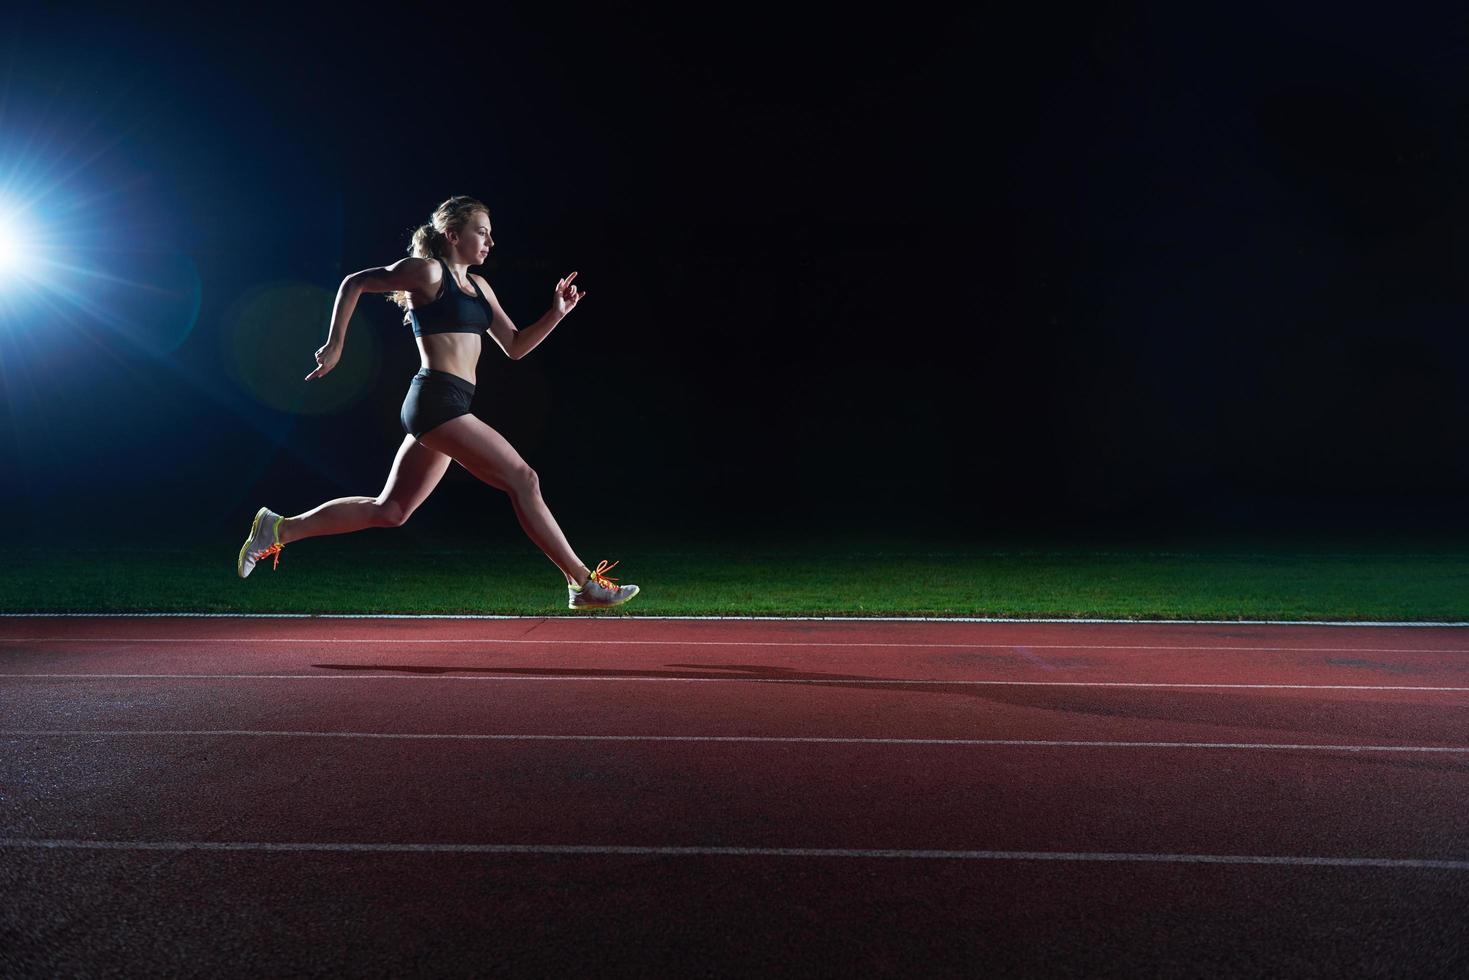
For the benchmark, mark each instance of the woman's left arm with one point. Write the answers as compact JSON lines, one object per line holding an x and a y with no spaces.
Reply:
{"x":518,"y":343}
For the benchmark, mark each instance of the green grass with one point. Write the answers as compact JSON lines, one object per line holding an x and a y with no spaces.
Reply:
{"x":396,"y":572}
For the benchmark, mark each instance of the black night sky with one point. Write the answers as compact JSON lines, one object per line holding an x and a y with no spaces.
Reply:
{"x":935,"y":271}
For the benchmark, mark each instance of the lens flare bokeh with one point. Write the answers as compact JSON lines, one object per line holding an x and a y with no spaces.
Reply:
{"x":269,"y":336}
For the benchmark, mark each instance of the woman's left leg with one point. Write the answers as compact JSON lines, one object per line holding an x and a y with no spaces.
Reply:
{"x":485,"y":453}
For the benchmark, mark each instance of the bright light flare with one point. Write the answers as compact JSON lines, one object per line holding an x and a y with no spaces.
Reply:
{"x":68,"y":257}
{"x":12,"y":244}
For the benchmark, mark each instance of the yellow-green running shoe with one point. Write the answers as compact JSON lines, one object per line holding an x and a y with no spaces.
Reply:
{"x":264,"y":541}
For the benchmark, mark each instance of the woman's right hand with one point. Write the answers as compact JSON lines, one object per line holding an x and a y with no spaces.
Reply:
{"x":326,"y":359}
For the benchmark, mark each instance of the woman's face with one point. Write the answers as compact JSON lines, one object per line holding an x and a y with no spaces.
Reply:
{"x":472,"y":243}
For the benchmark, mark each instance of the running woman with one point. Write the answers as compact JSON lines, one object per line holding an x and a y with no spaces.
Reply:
{"x":450,"y":309}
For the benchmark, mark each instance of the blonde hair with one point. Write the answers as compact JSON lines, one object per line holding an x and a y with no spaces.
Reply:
{"x":429,"y":241}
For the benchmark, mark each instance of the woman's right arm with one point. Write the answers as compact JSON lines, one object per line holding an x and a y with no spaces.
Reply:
{"x":405,"y":275}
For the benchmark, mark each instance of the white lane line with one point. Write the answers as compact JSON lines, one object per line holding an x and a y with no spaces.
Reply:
{"x":635,"y":617}
{"x":1438,"y":864}
{"x":889,"y":681}
{"x":490,"y":641}
{"x":1043,"y":743}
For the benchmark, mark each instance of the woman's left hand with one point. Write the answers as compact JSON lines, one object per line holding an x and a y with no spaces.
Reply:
{"x":567,"y":296}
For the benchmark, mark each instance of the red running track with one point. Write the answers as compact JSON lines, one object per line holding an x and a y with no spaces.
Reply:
{"x":726,"y":797}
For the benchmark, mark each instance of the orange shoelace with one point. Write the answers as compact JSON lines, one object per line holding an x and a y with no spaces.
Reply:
{"x":603,"y":580}
{"x":274,"y":549}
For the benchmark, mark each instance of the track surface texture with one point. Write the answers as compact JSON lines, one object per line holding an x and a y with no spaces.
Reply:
{"x":704,"y":798}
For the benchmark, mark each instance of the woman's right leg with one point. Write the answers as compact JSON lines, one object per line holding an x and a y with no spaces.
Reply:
{"x":486,"y":454}
{"x":416,"y":471}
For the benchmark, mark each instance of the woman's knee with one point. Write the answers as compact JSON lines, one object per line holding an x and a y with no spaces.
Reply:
{"x":524,"y":481}
{"x":391,"y":513}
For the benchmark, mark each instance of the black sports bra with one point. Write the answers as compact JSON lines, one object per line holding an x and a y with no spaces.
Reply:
{"x":452,"y":311}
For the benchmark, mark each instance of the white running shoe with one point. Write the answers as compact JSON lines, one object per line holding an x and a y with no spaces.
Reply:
{"x":599,"y":592}
{"x":264,"y":541}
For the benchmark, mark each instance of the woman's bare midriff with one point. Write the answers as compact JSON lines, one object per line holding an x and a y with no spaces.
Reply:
{"x":454,"y":353}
